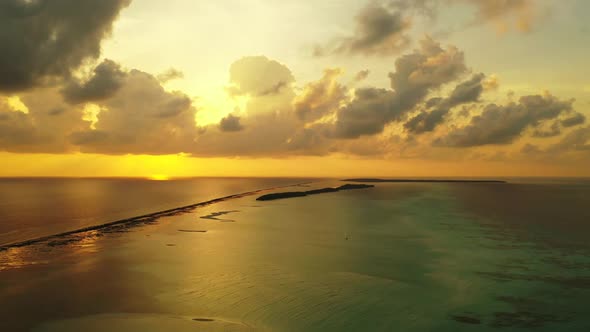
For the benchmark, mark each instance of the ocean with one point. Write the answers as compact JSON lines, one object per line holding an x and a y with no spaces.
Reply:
{"x":34,"y":207}
{"x":396,"y":257}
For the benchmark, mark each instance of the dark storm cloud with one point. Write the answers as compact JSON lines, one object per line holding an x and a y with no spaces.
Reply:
{"x":504,"y":124}
{"x":107,"y":78}
{"x":230,"y":123}
{"x":438,"y":108}
{"x":43,"y":39}
{"x":574,"y":120}
{"x":416,"y":75}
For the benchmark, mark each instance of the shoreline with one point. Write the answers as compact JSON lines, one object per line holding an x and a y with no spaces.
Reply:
{"x":374,"y":180}
{"x":145,"y":218}
{"x":141,"y":218}
{"x":294,"y":194}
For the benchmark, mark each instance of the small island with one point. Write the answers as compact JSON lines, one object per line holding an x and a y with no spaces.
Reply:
{"x":424,"y":180}
{"x":291,"y":194}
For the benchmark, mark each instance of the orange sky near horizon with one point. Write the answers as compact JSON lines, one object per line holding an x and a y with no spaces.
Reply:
{"x":177,"y":166}
{"x":372,"y":88}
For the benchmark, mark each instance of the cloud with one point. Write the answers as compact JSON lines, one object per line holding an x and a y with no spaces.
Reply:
{"x":504,"y":14}
{"x":107,"y":78}
{"x":88,"y":137}
{"x":43,"y":128}
{"x":141,"y":118}
{"x":530,"y":149}
{"x":574,"y":120}
{"x":504,"y":124}
{"x":16,"y":130}
{"x":230,"y":123}
{"x":136,"y":115}
{"x":321,"y":97}
{"x":265,"y":85}
{"x":427,"y":68}
{"x":438,"y":108}
{"x":574,"y":146}
{"x":169,"y":75}
{"x":517,"y":14}
{"x":577,"y":140}
{"x":427,"y":8}
{"x":552,"y":131}
{"x":491,"y":83}
{"x":361,"y":75}
{"x":417,"y":74}
{"x":468,"y":91}
{"x":379,"y":30}
{"x":368,"y":113}
{"x":280,"y":129}
{"x":262,"y":134}
{"x":267,"y":120}
{"x":259,"y":76}
{"x":426,"y":121}
{"x":384,"y":28}
{"x":48,"y":39}
{"x":20,"y":8}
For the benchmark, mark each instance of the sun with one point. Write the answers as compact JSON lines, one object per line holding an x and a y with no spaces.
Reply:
{"x":159,"y":177}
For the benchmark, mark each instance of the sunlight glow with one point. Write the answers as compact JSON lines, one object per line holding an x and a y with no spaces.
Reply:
{"x":159,"y":177}
{"x":16,"y":104}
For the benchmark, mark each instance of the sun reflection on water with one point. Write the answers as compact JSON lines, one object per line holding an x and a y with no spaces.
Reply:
{"x":159,"y":177}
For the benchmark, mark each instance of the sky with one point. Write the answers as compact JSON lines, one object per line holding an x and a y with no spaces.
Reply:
{"x":183,"y":88}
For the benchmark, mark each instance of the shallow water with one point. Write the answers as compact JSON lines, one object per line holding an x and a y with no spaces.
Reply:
{"x":397,"y":257}
{"x":33,"y":207}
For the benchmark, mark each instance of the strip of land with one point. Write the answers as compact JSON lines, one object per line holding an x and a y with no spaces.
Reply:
{"x":125,"y":224}
{"x":424,"y":180}
{"x":291,"y":194}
